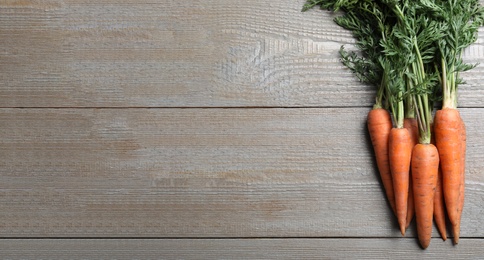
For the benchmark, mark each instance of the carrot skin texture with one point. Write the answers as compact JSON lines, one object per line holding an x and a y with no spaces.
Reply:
{"x":400,"y":152}
{"x":439,"y":204}
{"x":439,"y":207}
{"x":425,"y":165}
{"x":412,"y":125}
{"x":463,"y":134}
{"x":379,"y":126}
{"x":448,"y":137}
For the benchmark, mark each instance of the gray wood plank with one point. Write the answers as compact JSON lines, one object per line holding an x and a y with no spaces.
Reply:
{"x":214,"y":53}
{"x":398,"y":248}
{"x":201,"y":173}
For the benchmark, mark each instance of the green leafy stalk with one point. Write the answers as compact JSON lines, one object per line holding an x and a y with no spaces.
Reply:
{"x":420,"y":34}
{"x":406,"y":48}
{"x":368,"y":22}
{"x":462,"y":20}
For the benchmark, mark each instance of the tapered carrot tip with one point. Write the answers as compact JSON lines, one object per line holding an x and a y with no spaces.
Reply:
{"x":443,"y":234}
{"x":408,"y":224}
{"x":425,"y":243}
{"x":402,"y":228}
{"x":456,"y":231}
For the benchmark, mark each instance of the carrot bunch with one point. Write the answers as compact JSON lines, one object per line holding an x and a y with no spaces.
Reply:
{"x":411,"y":51}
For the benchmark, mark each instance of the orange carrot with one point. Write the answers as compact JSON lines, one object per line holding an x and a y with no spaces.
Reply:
{"x":379,"y":126}
{"x":449,"y":133}
{"x":412,"y":125}
{"x":400,"y":153}
{"x":425,"y":165}
{"x":439,"y":207}
{"x":439,"y":204}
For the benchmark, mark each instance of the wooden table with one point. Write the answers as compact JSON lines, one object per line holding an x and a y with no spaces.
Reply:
{"x":198,"y":130}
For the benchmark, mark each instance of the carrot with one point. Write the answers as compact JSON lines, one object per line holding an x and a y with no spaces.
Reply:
{"x":439,"y":204}
{"x":449,"y":141}
{"x":425,"y":156}
{"x":425,"y":165}
{"x":400,"y":153}
{"x":411,"y":124}
{"x":379,"y":127}
{"x":439,"y":207}
{"x":464,"y":19}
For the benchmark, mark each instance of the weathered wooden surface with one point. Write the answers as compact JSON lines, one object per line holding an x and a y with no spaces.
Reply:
{"x":238,"y":249}
{"x":127,"y":53}
{"x":195,"y":172}
{"x":197,"y":119}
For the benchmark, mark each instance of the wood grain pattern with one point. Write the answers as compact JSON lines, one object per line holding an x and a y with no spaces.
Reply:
{"x":200,"y":173}
{"x":216,"y":53}
{"x":398,"y":248}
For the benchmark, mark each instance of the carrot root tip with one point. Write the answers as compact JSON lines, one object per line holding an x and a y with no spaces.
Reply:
{"x":456,"y":240}
{"x":402,"y":229}
{"x":424,"y":244}
{"x":444,"y":238}
{"x":456,"y":231}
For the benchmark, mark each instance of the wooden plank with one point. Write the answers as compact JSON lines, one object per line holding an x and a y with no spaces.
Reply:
{"x":201,"y":173}
{"x":215,"y":53}
{"x":398,"y":248}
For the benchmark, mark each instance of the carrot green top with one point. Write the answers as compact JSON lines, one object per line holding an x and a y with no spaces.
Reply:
{"x":461,"y":20}
{"x":411,"y":50}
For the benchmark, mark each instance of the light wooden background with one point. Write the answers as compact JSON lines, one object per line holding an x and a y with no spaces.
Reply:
{"x":198,"y":129}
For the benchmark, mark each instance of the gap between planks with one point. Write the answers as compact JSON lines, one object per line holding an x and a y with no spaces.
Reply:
{"x":195,"y":107}
{"x":230,"y":238}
